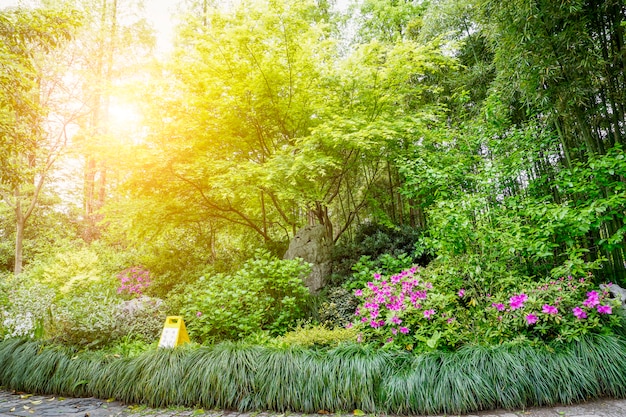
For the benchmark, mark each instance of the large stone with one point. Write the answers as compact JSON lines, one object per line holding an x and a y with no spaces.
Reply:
{"x":312,"y":245}
{"x":617,"y":292}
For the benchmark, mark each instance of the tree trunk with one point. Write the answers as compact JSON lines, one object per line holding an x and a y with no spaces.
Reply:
{"x":19,"y":242}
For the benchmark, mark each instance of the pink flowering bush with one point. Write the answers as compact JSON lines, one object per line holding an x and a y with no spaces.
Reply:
{"x":407,"y":311}
{"x":133,"y":281}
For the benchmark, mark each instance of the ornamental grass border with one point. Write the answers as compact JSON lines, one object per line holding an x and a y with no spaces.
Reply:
{"x":349,"y":377}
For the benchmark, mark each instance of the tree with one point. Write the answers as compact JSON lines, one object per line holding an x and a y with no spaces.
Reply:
{"x":239,"y":91}
{"x":33,"y":133}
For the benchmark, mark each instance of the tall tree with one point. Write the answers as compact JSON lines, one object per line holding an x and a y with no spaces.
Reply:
{"x":32,"y":131}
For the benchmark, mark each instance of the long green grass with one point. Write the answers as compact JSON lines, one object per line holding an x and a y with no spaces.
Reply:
{"x":348,"y":377}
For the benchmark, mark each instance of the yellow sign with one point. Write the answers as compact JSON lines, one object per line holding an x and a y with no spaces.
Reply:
{"x":174,"y":332}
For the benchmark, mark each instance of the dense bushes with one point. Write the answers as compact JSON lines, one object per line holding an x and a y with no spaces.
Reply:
{"x":423,"y":311}
{"x":374,"y":247}
{"x":265,"y":294}
{"x":345,"y":378}
{"x":86,"y":312}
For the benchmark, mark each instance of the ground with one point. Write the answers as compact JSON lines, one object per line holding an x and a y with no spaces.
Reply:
{"x":21,"y":404}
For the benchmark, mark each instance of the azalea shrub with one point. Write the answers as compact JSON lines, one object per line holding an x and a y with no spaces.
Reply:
{"x":406,"y":310}
{"x":133,"y":281}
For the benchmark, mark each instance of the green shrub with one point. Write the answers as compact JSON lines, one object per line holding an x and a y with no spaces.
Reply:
{"x":140,"y":318}
{"x":87,"y":319}
{"x":385,"y":264}
{"x":337,"y":307}
{"x":265,"y":294}
{"x":69,"y":272}
{"x":24,"y":306}
{"x":309,"y":336}
{"x":375,"y":246}
{"x":99,"y":318}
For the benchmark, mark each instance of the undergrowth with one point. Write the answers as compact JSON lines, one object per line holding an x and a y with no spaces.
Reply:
{"x":344,"y":378}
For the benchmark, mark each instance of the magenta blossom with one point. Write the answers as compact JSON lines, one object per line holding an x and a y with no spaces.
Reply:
{"x":592,"y":299}
{"x":604,"y":309}
{"x":517,"y":301}
{"x":531,"y":319}
{"x":358,"y":293}
{"x":429,"y":313}
{"x":579,"y":313}
{"x":461,"y":293}
{"x":396,"y":320}
{"x":548,"y":309}
{"x":199,"y":313}
{"x":498,"y":306}
{"x":404,"y":330}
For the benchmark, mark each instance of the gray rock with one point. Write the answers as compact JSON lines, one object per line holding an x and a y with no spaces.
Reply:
{"x":616,"y":291}
{"x":311,"y":244}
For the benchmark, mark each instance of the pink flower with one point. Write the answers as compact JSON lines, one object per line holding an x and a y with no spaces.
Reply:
{"x":404,"y":330}
{"x":349,"y":325}
{"x":498,"y":306}
{"x":531,"y":319}
{"x":579,"y":313}
{"x":548,"y":309}
{"x":450,"y":320}
{"x":592,"y":299}
{"x":429,"y":313}
{"x":517,"y":301}
{"x":604,"y":309}
{"x":394,"y":331}
{"x":418,"y":295}
{"x":358,"y":293}
{"x":396,"y":320}
{"x":198,"y":314}
{"x":376,"y":276}
{"x":389,"y":339}
{"x":461,"y":293}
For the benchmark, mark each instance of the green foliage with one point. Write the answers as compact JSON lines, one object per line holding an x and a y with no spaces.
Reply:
{"x":265,"y":294}
{"x":70,"y":271}
{"x":316,"y":336}
{"x":373,"y":247}
{"x":88,"y":318}
{"x":337,"y":306}
{"x":24,"y":306}
{"x":140,"y":319}
{"x":365,"y":267}
{"x":98,"y":318}
{"x":348,"y":377}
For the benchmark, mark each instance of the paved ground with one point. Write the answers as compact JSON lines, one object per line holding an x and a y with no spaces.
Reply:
{"x":20,"y":404}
